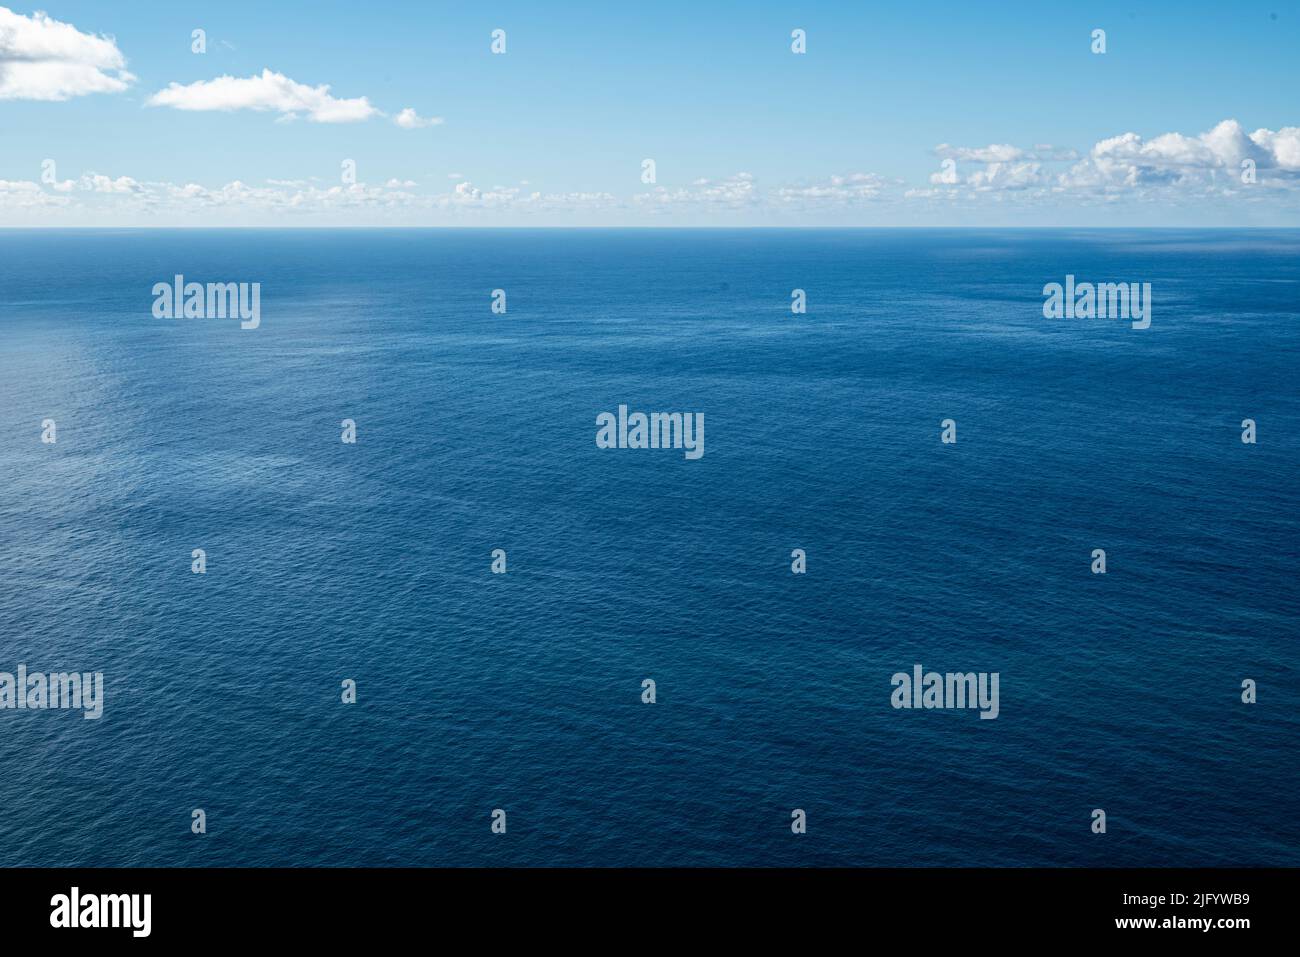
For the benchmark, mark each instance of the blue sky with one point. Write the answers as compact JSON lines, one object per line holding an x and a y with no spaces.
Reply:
{"x":1039,"y":129}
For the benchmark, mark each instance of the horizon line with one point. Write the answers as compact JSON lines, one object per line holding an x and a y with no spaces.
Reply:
{"x":962,"y":226}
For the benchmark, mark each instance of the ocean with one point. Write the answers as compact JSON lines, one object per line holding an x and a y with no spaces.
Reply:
{"x":476,"y":430}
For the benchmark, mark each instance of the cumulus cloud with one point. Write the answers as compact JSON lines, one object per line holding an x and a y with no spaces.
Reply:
{"x":98,"y":183}
{"x":838,"y":189}
{"x":737,"y":190}
{"x":408,"y":119}
{"x":1171,"y":162}
{"x":1164,"y":169}
{"x":101,"y":194}
{"x":1172,"y":159}
{"x":269,"y":92}
{"x":465,"y":195}
{"x":1004,"y":153}
{"x":1282,"y":147}
{"x":1008,"y":176}
{"x":1046,"y":153}
{"x":1174,"y":165}
{"x":1002,"y":167}
{"x":240,"y":195}
{"x":27,"y":195}
{"x":996,"y":153}
{"x":46,"y":59}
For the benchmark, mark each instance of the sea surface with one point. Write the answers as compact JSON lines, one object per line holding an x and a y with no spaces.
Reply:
{"x":475,"y":431}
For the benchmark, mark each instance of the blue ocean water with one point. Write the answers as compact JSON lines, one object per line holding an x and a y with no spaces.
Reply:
{"x":522,"y":691}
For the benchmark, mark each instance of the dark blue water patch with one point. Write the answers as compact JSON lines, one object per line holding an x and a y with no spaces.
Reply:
{"x":476,"y":431}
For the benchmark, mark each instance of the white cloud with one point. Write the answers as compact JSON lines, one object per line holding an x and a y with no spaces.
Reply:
{"x":837,"y":189}
{"x":46,"y":59}
{"x":1004,"y":153}
{"x":24,"y":194}
{"x":408,"y":119}
{"x":1047,"y":153}
{"x":1283,"y":146}
{"x":1171,"y":164}
{"x":737,"y":190}
{"x":1009,"y":176}
{"x":97,"y":183}
{"x":100,"y":197}
{"x":1208,"y":161}
{"x":269,"y":92}
{"x":996,"y":153}
{"x":1168,"y":170}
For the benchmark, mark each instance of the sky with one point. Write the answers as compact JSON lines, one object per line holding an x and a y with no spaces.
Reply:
{"x":330,"y":113}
